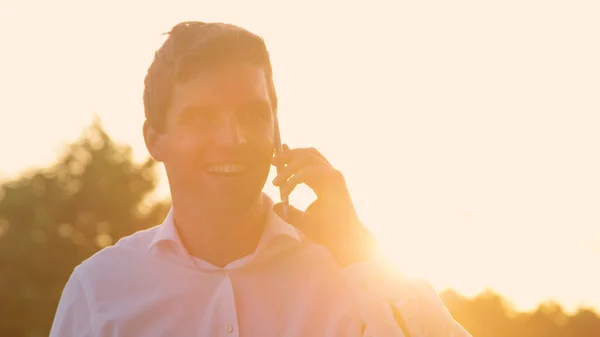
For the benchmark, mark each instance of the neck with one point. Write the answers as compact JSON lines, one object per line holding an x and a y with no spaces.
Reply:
{"x":219,"y":238}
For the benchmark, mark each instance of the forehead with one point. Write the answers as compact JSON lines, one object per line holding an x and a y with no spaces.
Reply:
{"x":226,"y":84}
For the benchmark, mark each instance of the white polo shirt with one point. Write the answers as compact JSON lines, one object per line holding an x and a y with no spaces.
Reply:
{"x":148,"y":285}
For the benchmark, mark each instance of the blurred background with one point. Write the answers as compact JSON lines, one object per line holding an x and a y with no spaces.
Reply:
{"x":467,"y":131}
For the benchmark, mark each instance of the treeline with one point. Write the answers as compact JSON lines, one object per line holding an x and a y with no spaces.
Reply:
{"x":489,"y":315}
{"x":54,"y":218}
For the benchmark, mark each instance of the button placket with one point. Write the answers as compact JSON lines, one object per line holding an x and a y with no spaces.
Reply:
{"x":229,"y":329}
{"x":228,"y":323}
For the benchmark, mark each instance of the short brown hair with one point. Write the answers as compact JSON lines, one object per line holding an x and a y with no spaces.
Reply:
{"x":191,"y":46}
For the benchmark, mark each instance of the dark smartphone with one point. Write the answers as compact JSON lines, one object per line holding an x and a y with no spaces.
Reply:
{"x":278,"y":150}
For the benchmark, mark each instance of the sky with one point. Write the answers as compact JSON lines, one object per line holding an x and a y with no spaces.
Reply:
{"x":467,"y":130}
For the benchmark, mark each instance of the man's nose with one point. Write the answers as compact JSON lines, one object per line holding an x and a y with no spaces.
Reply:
{"x":230,"y":133}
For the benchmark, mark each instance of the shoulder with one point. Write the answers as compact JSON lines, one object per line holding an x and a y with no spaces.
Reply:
{"x":422,"y":308}
{"x":120,"y":257}
{"x":415,"y":304}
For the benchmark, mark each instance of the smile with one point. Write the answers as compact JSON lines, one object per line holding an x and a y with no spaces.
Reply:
{"x":226,"y":169}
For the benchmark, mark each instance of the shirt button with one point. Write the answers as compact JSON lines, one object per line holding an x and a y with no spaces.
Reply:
{"x":229,"y":329}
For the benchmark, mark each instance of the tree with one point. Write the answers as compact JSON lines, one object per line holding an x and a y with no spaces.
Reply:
{"x":488,"y":315}
{"x":53,"y":219}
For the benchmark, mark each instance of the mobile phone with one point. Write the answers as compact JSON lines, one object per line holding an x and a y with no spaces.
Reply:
{"x":278,"y":150}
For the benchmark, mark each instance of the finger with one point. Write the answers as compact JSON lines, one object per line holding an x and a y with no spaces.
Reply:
{"x":284,"y":173}
{"x":293,"y":216}
{"x":317,"y":153}
{"x":309,"y":176}
{"x":279,"y":156}
{"x":289,"y":155}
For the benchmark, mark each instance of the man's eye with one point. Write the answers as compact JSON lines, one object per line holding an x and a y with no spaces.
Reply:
{"x":255,"y":114}
{"x":197,"y":116}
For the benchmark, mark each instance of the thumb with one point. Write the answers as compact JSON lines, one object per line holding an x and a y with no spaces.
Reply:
{"x":293,"y":216}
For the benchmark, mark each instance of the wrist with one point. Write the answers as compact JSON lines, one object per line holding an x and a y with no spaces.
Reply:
{"x":358,"y":245}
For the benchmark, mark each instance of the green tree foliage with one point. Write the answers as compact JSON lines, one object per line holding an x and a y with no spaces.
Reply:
{"x":53,"y":219}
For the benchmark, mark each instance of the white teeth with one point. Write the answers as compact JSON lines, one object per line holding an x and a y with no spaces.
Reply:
{"x":226,"y":168}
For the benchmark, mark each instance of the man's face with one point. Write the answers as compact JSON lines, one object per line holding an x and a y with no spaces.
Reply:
{"x":218,"y":140}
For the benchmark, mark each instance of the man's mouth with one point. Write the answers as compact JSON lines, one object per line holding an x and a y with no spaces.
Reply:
{"x":227,"y":170}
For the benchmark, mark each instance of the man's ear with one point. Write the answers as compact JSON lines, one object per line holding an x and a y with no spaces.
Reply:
{"x":154,"y":142}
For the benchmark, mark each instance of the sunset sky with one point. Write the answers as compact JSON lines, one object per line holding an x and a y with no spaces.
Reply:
{"x":468,"y":131}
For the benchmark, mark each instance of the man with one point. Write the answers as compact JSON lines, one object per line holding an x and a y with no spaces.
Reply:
{"x":226,"y":261}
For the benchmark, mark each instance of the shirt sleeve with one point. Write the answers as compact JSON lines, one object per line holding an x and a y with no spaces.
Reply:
{"x":392,"y":304}
{"x":73,"y":316}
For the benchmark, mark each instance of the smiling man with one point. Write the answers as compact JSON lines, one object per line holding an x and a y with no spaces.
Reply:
{"x":226,"y":261}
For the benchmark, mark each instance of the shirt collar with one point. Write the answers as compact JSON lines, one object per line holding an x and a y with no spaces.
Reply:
{"x":275,"y":228}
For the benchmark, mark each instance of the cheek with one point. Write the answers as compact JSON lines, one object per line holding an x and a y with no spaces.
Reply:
{"x":265,"y":138}
{"x":185,"y":149}
{"x":260,"y":138}
{"x":266,"y":144}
